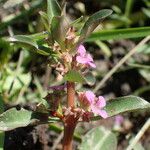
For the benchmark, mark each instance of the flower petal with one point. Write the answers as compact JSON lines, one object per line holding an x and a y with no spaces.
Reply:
{"x":103,"y":113}
{"x":81,"y":60}
{"x":89,"y":57}
{"x":81,"y":50}
{"x":92,"y":64}
{"x":95,"y":109}
{"x":101,"y":102}
{"x":119,"y":119}
{"x":90,"y":96}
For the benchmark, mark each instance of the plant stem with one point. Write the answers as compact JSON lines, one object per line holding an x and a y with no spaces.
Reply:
{"x":70,"y":122}
{"x":58,"y":129}
{"x":70,"y":94}
{"x":68,"y":136}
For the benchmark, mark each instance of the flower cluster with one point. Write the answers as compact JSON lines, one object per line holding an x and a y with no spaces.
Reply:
{"x":94,"y":104}
{"x":78,"y":60}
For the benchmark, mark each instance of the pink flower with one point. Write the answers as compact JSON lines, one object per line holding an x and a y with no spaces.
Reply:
{"x":84,"y":58}
{"x":95,"y":104}
{"x":119,"y":120}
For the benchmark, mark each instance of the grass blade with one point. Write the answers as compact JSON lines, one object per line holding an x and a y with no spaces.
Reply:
{"x":119,"y":34}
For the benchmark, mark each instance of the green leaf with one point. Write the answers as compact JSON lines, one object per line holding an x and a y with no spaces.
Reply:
{"x":146,"y":12}
{"x":53,"y":9}
{"x":14,"y":118}
{"x":136,"y":65}
{"x":45,"y":20}
{"x":74,"y":76}
{"x":35,"y":40}
{"x":76,"y":22}
{"x":39,"y":36}
{"x":118,"y":34}
{"x":145,"y":73}
{"x":138,"y":146}
{"x":45,"y":51}
{"x":89,"y":79}
{"x":22,"y":79}
{"x":24,"y":39}
{"x":93,"y":22}
{"x":59,"y":29}
{"x":99,"y":139}
{"x":124,"y":104}
{"x":2,"y":134}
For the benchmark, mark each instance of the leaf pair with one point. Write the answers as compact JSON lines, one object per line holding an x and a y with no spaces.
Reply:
{"x":13,"y":118}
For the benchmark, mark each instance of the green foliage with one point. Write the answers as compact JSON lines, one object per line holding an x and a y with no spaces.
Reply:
{"x":5,"y":52}
{"x":24,"y":39}
{"x":53,"y":9}
{"x":20,"y":80}
{"x":39,"y":36}
{"x":13,"y":118}
{"x":74,"y":76}
{"x":35,"y":41}
{"x":138,"y":146}
{"x":59,"y":28}
{"x":119,"y":34}
{"x":56,"y":25}
{"x":145,"y":73}
{"x":93,"y":22}
{"x":89,"y":79}
{"x":99,"y":139}
{"x":124,"y":104}
{"x":45,"y":20}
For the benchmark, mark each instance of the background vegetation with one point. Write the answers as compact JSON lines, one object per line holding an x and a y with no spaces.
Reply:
{"x":25,"y":76}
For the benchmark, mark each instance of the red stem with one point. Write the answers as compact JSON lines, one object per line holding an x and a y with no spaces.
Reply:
{"x":70,"y":94}
{"x":68,"y":136}
{"x":70,"y":123}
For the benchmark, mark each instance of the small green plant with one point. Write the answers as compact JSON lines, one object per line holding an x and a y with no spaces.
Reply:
{"x":63,"y":44}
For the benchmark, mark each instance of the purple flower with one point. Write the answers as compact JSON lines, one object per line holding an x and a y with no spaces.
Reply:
{"x":84,"y":58}
{"x":95,"y":104}
{"x":118,"y":120}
